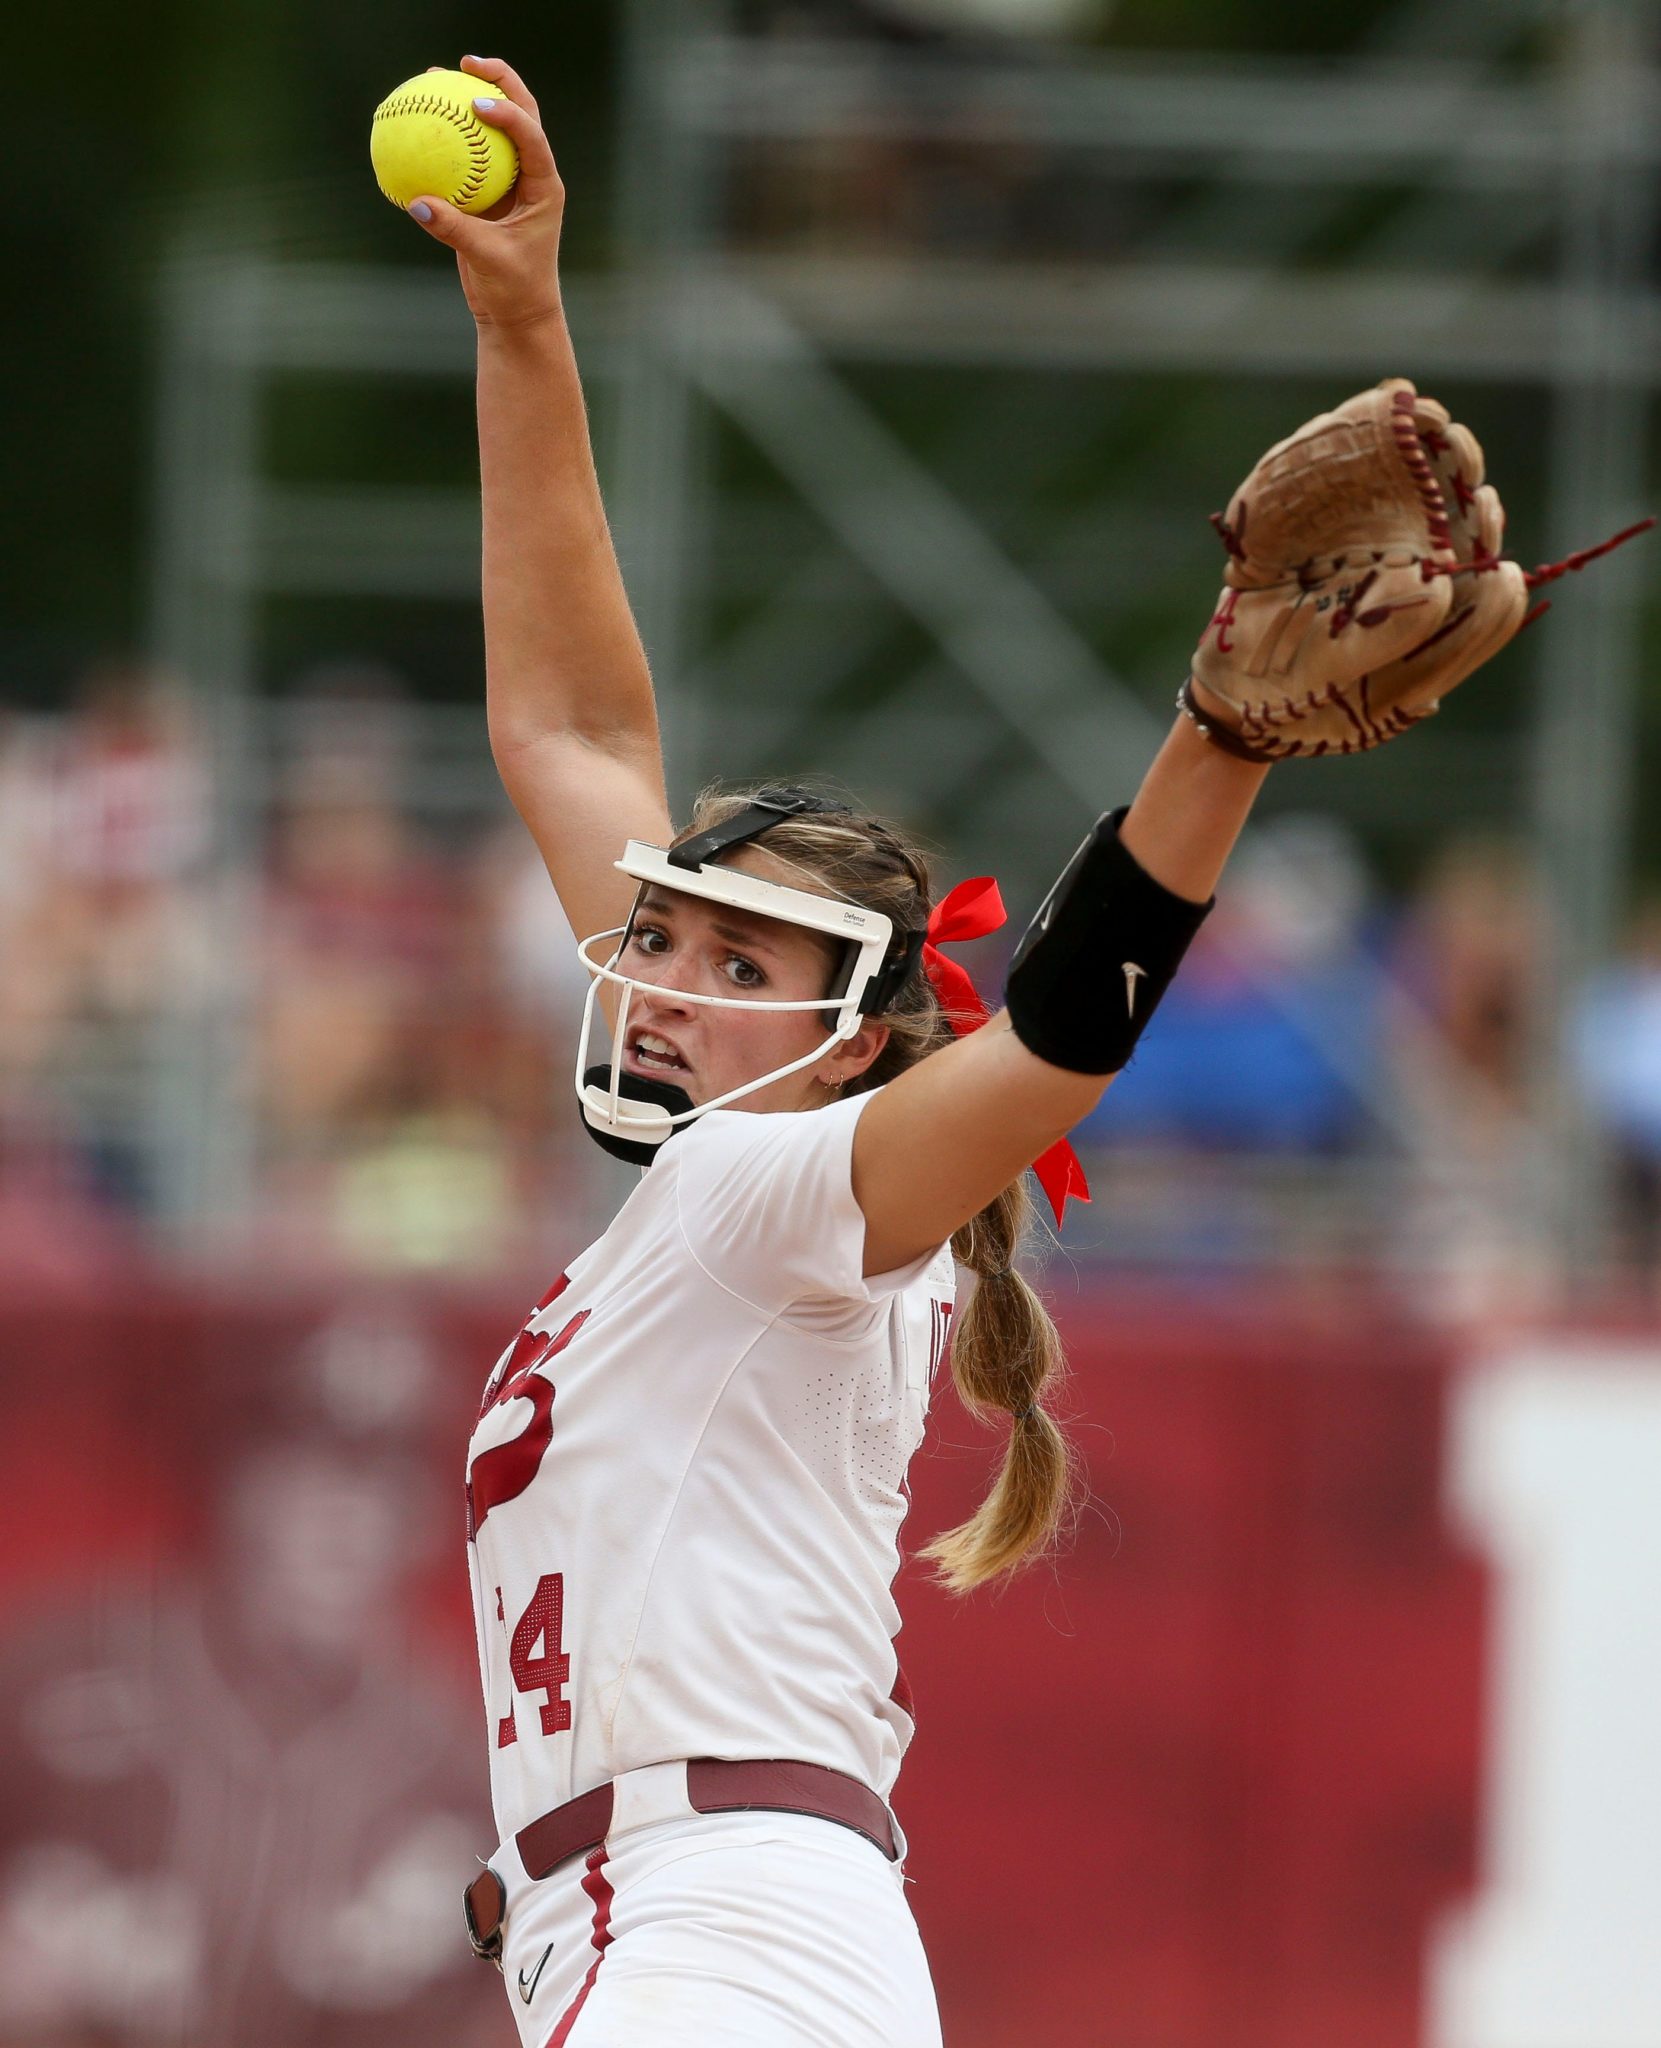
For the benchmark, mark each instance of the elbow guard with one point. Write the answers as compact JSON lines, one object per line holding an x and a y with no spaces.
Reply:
{"x":1103,"y":949}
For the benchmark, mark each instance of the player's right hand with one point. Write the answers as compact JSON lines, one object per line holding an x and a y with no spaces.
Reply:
{"x":509,"y":256}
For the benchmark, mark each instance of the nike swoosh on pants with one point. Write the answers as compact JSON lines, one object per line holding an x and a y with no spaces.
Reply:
{"x":528,"y":1992}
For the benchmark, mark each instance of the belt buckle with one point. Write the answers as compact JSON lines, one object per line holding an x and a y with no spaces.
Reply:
{"x":486,"y":1937}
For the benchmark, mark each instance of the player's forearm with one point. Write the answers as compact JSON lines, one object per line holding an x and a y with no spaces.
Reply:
{"x":562,"y":654}
{"x":1188,"y":813}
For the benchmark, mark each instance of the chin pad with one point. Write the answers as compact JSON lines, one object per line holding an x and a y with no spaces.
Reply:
{"x":636,"y":1088}
{"x":1103,"y":949}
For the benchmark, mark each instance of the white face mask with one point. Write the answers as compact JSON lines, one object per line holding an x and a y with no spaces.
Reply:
{"x":635,"y":1123}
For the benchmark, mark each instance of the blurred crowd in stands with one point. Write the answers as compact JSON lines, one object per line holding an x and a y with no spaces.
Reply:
{"x":381,"y":992}
{"x":381,"y":1001}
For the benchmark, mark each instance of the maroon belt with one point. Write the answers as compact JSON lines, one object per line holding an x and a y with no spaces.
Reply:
{"x":713,"y":1785}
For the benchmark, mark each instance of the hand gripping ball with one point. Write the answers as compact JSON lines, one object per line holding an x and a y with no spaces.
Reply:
{"x":426,"y":137}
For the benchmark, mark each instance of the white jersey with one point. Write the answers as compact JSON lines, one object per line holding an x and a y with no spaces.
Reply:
{"x":688,"y":1476}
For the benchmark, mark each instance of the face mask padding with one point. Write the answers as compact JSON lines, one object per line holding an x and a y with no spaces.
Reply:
{"x":633,"y":1115}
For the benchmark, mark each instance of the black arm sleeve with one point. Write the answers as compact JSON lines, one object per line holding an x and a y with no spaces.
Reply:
{"x":1104,"y":947}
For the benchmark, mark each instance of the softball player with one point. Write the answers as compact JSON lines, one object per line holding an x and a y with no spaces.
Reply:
{"x":688,"y":1476}
{"x":687,"y":1481}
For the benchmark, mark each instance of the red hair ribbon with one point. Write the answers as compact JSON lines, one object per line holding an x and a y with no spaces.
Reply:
{"x":970,"y":911}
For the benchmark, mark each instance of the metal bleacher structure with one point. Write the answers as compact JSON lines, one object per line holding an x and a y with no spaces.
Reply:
{"x":925,"y":611}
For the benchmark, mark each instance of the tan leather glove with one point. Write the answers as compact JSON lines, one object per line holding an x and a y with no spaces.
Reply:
{"x":1364,"y":581}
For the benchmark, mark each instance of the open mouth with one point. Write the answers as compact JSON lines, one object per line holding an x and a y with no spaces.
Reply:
{"x":648,"y":1053}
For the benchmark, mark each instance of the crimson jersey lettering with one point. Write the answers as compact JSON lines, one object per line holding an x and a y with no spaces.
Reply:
{"x":527,"y":1342}
{"x":543,"y":1621}
{"x":504,"y":1471}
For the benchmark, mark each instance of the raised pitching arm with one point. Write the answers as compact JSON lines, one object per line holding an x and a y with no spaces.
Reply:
{"x":573,"y":723}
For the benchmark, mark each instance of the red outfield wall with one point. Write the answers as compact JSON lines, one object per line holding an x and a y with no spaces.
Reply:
{"x":1208,"y":1780}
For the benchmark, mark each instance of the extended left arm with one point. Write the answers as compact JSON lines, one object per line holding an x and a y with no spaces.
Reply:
{"x":1387,"y":495}
{"x":949,"y":1134}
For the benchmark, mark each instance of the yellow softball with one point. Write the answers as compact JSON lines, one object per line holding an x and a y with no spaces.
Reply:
{"x":426,"y":137}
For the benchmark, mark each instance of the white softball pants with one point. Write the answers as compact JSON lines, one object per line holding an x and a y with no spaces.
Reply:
{"x":736,"y":1930}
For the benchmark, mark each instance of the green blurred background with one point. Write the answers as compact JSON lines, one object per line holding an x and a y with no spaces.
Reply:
{"x":921,"y":336}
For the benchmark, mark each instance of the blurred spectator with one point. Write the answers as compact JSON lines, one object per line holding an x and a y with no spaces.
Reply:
{"x":1468,"y":951}
{"x":416,"y":1007}
{"x":360,"y":927}
{"x":400,"y":983}
{"x":535,"y":950}
{"x":31,"y":967}
{"x":1466,"y":957}
{"x":525,"y":964}
{"x":1617,"y":1052}
{"x":522,"y":1066}
{"x":101,"y":936}
{"x":359,"y":1003}
{"x":1268,"y":1036}
{"x":129,"y":799}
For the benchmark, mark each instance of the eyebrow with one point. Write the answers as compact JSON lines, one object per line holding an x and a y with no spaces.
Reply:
{"x":753,"y":934}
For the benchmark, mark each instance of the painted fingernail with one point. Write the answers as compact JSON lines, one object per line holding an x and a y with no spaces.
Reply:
{"x":484,"y":106}
{"x":420,"y":210}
